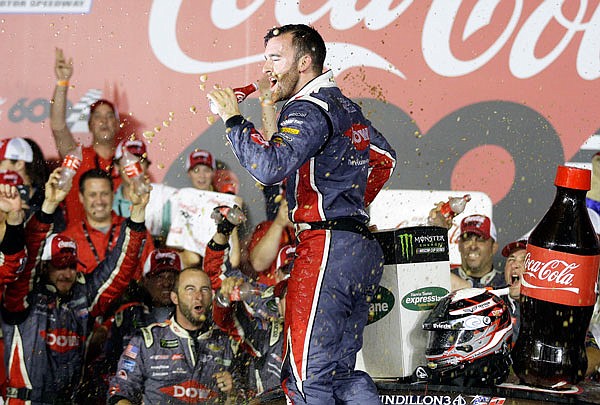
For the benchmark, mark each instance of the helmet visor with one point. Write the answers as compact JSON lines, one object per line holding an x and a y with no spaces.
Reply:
{"x":440,"y":341}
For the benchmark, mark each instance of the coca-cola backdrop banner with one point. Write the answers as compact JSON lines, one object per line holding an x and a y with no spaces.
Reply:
{"x":474,"y":95}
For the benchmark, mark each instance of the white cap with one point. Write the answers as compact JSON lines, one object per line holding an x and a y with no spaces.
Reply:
{"x":16,"y":149}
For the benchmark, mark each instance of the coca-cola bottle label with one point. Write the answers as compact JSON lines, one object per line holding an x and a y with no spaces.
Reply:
{"x":446,"y":210}
{"x":559,"y":277}
{"x":71,"y":162}
{"x":235,"y":294}
{"x":133,"y":169}
{"x":242,"y":92}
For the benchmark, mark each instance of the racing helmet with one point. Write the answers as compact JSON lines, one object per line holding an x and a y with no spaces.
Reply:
{"x":469,"y":340}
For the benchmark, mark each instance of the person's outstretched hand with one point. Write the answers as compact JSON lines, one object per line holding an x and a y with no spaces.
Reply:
{"x":63,"y":68}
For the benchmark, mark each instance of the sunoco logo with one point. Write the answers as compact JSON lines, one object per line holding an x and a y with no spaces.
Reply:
{"x":423,"y":299}
{"x":381,"y":305}
{"x":406,"y":245}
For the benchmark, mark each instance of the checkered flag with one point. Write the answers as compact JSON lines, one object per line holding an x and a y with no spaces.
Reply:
{"x":77,"y":120}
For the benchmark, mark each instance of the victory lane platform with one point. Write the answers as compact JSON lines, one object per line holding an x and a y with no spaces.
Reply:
{"x":400,"y":392}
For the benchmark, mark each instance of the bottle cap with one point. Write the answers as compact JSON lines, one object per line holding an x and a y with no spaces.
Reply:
{"x":573,"y":177}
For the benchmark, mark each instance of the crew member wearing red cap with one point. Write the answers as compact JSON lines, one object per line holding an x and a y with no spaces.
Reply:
{"x":477,"y":246}
{"x":514,"y":266}
{"x":25,"y":166}
{"x":513,"y":270}
{"x":201,"y":167}
{"x":16,"y":156}
{"x":145,"y":302}
{"x":150,"y":299}
{"x":103,"y":124}
{"x":15,"y":153}
{"x":46,"y":311}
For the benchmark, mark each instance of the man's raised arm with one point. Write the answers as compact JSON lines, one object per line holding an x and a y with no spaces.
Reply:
{"x":58,"y":107}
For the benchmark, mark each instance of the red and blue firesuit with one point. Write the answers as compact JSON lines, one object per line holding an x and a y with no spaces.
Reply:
{"x":44,"y":332}
{"x":335,"y":163}
{"x":13,"y":255}
{"x":169,"y":365}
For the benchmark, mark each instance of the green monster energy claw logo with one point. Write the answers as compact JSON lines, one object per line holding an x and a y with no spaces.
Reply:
{"x":406,"y":244}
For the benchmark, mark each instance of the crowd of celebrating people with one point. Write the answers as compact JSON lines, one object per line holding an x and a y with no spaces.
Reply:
{"x":98,"y":308}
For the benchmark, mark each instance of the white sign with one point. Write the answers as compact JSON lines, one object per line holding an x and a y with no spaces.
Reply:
{"x":155,"y":212}
{"x":46,"y":6}
{"x":191,"y":224}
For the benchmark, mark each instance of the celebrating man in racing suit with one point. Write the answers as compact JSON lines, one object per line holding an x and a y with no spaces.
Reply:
{"x":335,"y":163}
{"x":46,"y":312}
{"x":183,"y":360}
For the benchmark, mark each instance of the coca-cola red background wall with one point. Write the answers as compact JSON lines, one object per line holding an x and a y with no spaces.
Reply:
{"x":474,"y":95}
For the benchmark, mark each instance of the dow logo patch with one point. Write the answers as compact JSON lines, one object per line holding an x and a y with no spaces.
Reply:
{"x":190,"y":392}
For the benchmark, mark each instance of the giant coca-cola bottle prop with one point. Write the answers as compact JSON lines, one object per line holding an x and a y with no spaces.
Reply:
{"x":558,"y":288}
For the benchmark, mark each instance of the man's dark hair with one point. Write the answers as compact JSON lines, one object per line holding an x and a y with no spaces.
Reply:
{"x":306,"y":41}
{"x":94,"y":174}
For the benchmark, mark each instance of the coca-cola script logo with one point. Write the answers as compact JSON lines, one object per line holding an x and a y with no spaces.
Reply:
{"x":66,"y":244}
{"x":560,"y":277}
{"x":62,"y":340}
{"x":555,"y":271}
{"x":492,"y":45}
{"x":169,"y":257}
{"x":440,"y":21}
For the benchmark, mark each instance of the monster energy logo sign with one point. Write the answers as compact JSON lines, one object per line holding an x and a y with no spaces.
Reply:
{"x":406,"y":245}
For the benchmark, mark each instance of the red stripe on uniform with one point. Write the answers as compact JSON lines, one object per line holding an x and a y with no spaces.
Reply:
{"x":16,"y":368}
{"x":307,"y":197}
{"x":302,"y":288}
